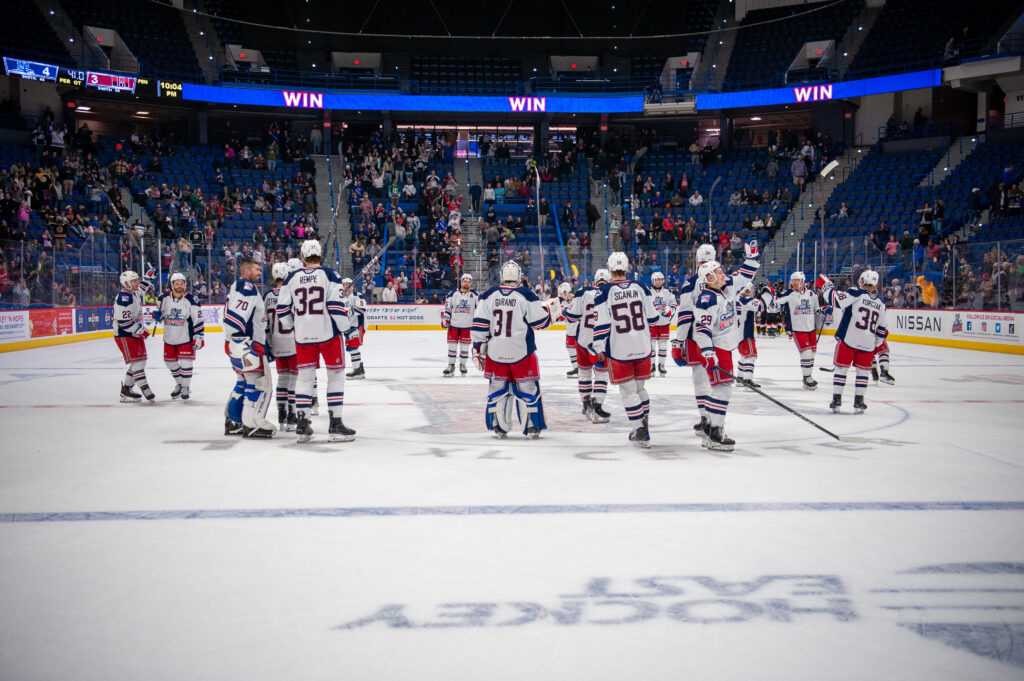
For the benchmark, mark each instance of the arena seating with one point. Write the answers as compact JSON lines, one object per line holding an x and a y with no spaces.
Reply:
{"x":442,"y":74}
{"x":980,"y":169}
{"x":30,"y":36}
{"x":763,"y":53}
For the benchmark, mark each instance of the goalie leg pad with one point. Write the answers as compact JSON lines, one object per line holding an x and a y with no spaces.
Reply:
{"x":233,"y":409}
{"x":254,"y":410}
{"x":528,"y":393}
{"x":499,"y":407}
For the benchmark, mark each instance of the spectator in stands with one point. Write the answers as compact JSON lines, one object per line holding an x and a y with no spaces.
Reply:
{"x":695,"y":151}
{"x":388,"y":293}
{"x":735,"y":199}
{"x":696,"y":199}
{"x":798,"y":169}
{"x":490,"y":196}
{"x":593,"y":215}
{"x":568,"y":217}
{"x":951,"y":51}
{"x":919,"y":122}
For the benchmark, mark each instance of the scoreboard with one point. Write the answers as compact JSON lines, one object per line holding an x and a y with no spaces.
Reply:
{"x":117,"y":83}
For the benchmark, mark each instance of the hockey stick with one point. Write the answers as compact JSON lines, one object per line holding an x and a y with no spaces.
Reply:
{"x":843,"y":438}
{"x":374,"y":261}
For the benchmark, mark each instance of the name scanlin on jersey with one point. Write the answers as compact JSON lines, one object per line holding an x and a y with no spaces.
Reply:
{"x":460,"y":307}
{"x":128,"y":313}
{"x":862,"y":324}
{"x":310,"y":303}
{"x":581,"y":313}
{"x":664,"y":302}
{"x":505,"y":319}
{"x":182,"y":318}
{"x":280,"y":339}
{"x":625,"y":313}
{"x":245,"y":317}
{"x":799,"y":307}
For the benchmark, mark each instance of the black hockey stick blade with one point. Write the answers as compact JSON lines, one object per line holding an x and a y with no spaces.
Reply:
{"x":828,"y":369}
{"x":794,"y":412}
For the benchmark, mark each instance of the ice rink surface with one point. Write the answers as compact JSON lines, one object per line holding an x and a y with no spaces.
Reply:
{"x":137,"y":542}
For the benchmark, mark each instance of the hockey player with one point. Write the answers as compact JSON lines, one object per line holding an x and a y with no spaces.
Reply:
{"x":504,"y":349}
{"x":685,"y":351}
{"x":861,"y":333}
{"x":357,"y":328}
{"x":182,"y":317}
{"x":799,"y":304}
{"x":625,"y":314}
{"x":565,"y":295}
{"x":457,"y":317}
{"x":310,"y":302}
{"x":130,"y":335}
{"x":717,"y":334}
{"x":665,"y":304}
{"x":281,"y":342}
{"x":750,"y":307}
{"x":593,"y":373}
{"x":245,"y":330}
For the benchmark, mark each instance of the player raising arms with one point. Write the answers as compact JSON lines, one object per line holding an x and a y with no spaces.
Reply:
{"x":799,"y":304}
{"x":356,"y":307}
{"x":593,"y":373}
{"x":282,"y":348}
{"x":310,"y":302}
{"x":625,"y":313}
{"x":717,"y":334}
{"x":860,"y":334}
{"x":245,"y":329}
{"x":457,"y":317}
{"x":130,"y":335}
{"x":685,"y":351}
{"x":565,"y":295}
{"x":504,"y":349}
{"x":750,"y":307}
{"x":665,"y":303}
{"x":182,"y":317}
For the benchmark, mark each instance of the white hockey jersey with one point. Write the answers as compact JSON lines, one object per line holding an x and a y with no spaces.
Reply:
{"x":182,"y":318}
{"x":799,"y":307}
{"x":310,"y":303}
{"x":571,"y":325}
{"x":665,"y":303}
{"x":581,"y":313}
{"x":245,"y":317}
{"x":128,"y":313}
{"x":749,"y":307}
{"x":686,"y":320}
{"x":625,"y":314}
{"x":356,"y":308}
{"x":505,"y":319}
{"x":459,"y":308}
{"x":280,"y":339}
{"x":862,"y":322}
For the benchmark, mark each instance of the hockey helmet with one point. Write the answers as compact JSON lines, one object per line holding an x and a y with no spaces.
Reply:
{"x":177,"y":276}
{"x":618,"y":262}
{"x":128,"y":276}
{"x":602,"y":275}
{"x":346,"y":281}
{"x":797,"y":276}
{"x":465,"y":276}
{"x":280,"y":270}
{"x":705,"y":253}
{"x":869,"y":278}
{"x":511,"y":273}
{"x":311,"y":249}
{"x":657,"y":276}
{"x":294,"y":264}
{"x":705,"y":269}
{"x":564,"y":289}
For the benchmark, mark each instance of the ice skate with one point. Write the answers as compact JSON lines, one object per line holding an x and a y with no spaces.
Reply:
{"x":282,"y":417}
{"x":463,"y":369}
{"x":499,"y":433}
{"x":533,"y":433}
{"x":874,"y":374}
{"x":185,"y":395}
{"x":859,"y":405}
{"x":338,"y":431}
{"x":148,"y":393}
{"x":449,"y":371}
{"x":810,"y":383}
{"x":750,"y":383}
{"x":837,"y":402}
{"x":357,"y":374}
{"x":292,"y":421}
{"x":662,"y":371}
{"x":303,"y":431}
{"x":701,"y":426}
{"x":597,"y":413}
{"x":718,"y":440}
{"x":573,"y":374}
{"x":887,"y":377}
{"x":258,"y":433}
{"x":176,"y":393}
{"x":232,"y":427}
{"x":128,"y":395}
{"x":641,"y":437}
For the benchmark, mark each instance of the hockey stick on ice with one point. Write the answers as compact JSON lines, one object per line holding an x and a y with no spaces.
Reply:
{"x":841,"y":438}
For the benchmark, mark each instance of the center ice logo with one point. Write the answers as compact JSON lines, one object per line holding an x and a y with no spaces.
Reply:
{"x":973,"y":607}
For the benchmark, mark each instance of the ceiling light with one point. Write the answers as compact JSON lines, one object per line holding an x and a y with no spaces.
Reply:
{"x":755,"y":118}
{"x":85,"y":108}
{"x":141,"y":113}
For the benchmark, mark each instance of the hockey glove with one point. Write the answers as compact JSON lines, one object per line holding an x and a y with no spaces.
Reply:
{"x":198,"y":343}
{"x":677,"y":353}
{"x":822,"y":282}
{"x":709,"y":360}
{"x":480,"y":355}
{"x":144,"y":334}
{"x":751,"y":250}
{"x":444,"y":322}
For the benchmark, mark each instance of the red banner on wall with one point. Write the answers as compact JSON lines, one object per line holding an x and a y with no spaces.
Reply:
{"x":51,"y":322}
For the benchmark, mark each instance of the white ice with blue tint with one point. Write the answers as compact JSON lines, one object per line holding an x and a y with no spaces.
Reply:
{"x":137,"y":542}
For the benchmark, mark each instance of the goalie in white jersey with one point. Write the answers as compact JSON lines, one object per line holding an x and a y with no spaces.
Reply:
{"x":625,"y":313}
{"x":457,"y":317}
{"x":282,"y":348}
{"x":504,"y":349}
{"x":310,"y":303}
{"x":665,"y":303}
{"x":245,"y":338}
{"x":717,"y":334}
{"x":860,"y":335}
{"x":182,"y":317}
{"x":565,"y":296}
{"x":593,"y":371}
